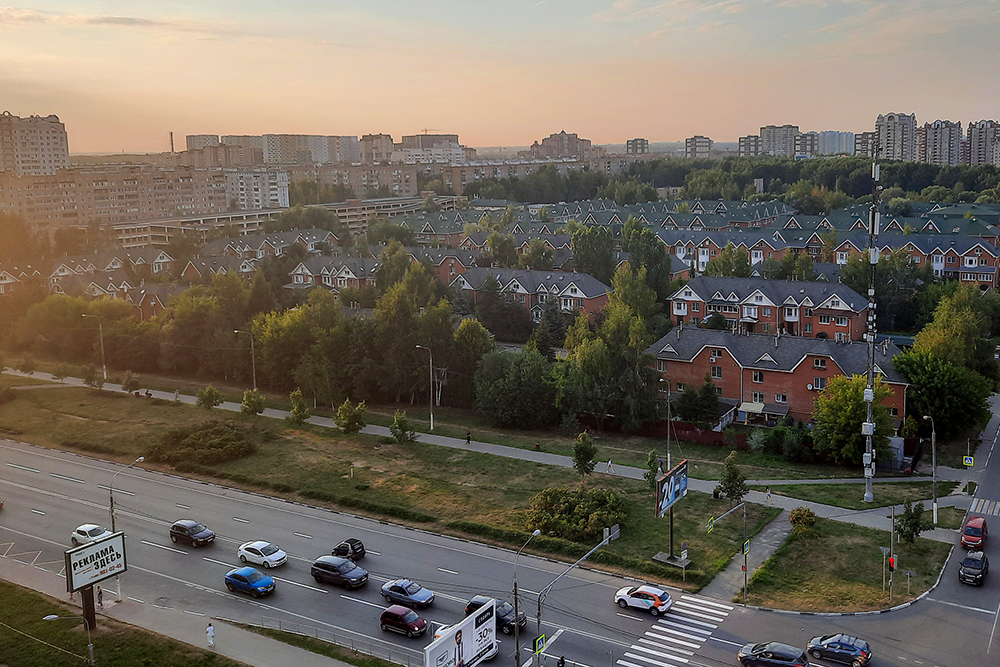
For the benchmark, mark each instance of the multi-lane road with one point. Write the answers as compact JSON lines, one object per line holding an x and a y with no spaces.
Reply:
{"x":48,"y":493}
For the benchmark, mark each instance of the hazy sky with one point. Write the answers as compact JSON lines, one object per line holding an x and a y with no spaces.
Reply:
{"x":122,"y":75}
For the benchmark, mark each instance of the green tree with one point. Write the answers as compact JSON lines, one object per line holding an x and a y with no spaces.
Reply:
{"x":732,"y":483}
{"x":130,"y":382}
{"x":92,"y":377}
{"x":953,"y":395}
{"x":472,"y":342}
{"x":253,"y":402}
{"x":732,"y":262}
{"x":502,"y":249}
{"x":717,"y":321}
{"x":299,"y":413}
{"x":60,"y":372}
{"x":400,"y":429}
{"x":593,"y":252}
{"x":897,"y":281}
{"x":551,"y":330}
{"x":350,"y":418}
{"x":513,"y":390}
{"x":584,"y":454}
{"x":652,"y":468}
{"x":958,"y":333}
{"x":911,"y":523}
{"x":538,"y":257}
{"x":393,"y":264}
{"x":838,"y":413}
{"x":209,"y":397}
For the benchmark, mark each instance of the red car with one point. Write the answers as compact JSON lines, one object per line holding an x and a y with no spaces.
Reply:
{"x":398,"y":618}
{"x":974,"y":534}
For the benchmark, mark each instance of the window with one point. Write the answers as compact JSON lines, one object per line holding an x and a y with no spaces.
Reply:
{"x":808,"y":328}
{"x":758,"y":376}
{"x":718,"y":391}
{"x":789,"y":312}
{"x":841,"y":321}
{"x":835,"y":303}
{"x":758,"y":298}
{"x":765,"y":328}
{"x":951,"y":259}
{"x":758,"y":397}
{"x":661,"y":365}
{"x":894,"y":412}
{"x":819,"y":383}
{"x":680,"y":386}
{"x":579,"y":303}
{"x":766,"y":312}
{"x":715,"y":354}
{"x":717,"y":372}
{"x":695,"y":307}
{"x":819,"y":363}
{"x":780,"y":398}
{"x":824,"y":319}
{"x":808,"y":312}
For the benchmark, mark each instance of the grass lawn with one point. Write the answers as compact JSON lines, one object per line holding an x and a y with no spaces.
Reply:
{"x":115,"y":643}
{"x":445,"y":484}
{"x":321,"y":647}
{"x":950,"y":452}
{"x":840,"y":569}
{"x":851,"y":496}
{"x":948,"y":517}
{"x":18,"y":381}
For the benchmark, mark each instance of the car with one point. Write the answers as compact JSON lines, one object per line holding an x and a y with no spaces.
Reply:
{"x":974,"y":568}
{"x":262,"y":553}
{"x":504,"y":611}
{"x":494,"y":650}
{"x":656,"y":600}
{"x":407,"y":592}
{"x":771,"y":654}
{"x":249,"y":580}
{"x":398,"y":618}
{"x":87,"y":533}
{"x":974,"y":534}
{"x":191,"y":532}
{"x":341,"y":571}
{"x":351,"y":548}
{"x":841,"y":648}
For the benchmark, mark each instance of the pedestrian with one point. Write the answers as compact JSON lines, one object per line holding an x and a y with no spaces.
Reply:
{"x":100,"y":597}
{"x":177,"y":393}
{"x":468,"y":438}
{"x":611,"y":468}
{"x":661,"y":465}
{"x":767,"y":492}
{"x":210,"y":631}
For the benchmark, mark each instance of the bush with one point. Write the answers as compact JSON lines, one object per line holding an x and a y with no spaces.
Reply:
{"x":253,"y":402}
{"x":209,"y":397}
{"x":400,"y":429}
{"x":350,"y":419}
{"x":757,"y":441}
{"x":576,"y":515}
{"x":794,"y":447}
{"x":300,"y":413}
{"x":209,"y":443}
{"x":802,"y":519}
{"x":130,"y":382}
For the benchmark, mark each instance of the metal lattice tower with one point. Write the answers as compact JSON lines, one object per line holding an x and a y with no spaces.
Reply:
{"x":868,"y":427}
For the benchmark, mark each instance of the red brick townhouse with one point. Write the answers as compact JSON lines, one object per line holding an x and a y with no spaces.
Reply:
{"x":259,"y":246}
{"x":573,"y":291}
{"x":769,"y":376}
{"x":334,"y":273}
{"x":702,"y":246}
{"x":444,"y":263}
{"x":757,"y":305}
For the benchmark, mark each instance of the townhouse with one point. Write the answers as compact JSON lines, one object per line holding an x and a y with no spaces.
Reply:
{"x":769,"y":377}
{"x":201,"y":269}
{"x":574,"y":292}
{"x":261,"y":246}
{"x":334,"y":273}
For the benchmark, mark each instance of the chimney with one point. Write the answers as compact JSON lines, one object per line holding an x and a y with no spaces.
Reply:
{"x":678,"y":329}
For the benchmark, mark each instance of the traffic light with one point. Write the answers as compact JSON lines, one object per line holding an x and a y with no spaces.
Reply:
{"x":744,"y":568}
{"x":561,"y":662}
{"x":892,"y":563}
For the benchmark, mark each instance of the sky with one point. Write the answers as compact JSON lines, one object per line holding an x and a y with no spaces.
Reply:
{"x":123,"y":75}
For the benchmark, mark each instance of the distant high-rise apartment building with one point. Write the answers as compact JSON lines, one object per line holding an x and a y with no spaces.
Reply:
{"x":248,"y":189}
{"x":32,"y":146}
{"x":983,"y":137}
{"x":223,"y":155}
{"x":751,"y":145}
{"x":285,"y":148}
{"x":778,"y":140}
{"x":807,"y":144}
{"x":425,"y":141}
{"x":345,"y":148}
{"x":564,"y":145}
{"x":939,"y":143}
{"x":376,"y":148}
{"x":697,"y":146}
{"x":250,"y":141}
{"x":895,"y":136}
{"x":196,"y":141}
{"x":864,"y":144}
{"x":832,"y":142}
{"x":637,"y":146}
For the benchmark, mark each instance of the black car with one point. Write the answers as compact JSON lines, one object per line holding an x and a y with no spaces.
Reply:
{"x":191,"y":532}
{"x":504,"y":610}
{"x":350,"y":548}
{"x":341,"y":571}
{"x":841,"y":648}
{"x":974,"y":568}
{"x":772,"y":654}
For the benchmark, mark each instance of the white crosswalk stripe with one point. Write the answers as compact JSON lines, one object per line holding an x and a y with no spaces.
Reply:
{"x":681,"y":632}
{"x":650,"y":642}
{"x":996,"y":510}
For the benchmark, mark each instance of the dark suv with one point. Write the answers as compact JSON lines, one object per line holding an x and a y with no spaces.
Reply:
{"x":974,"y":568}
{"x":351,"y":548}
{"x":191,"y":532}
{"x":841,"y":648}
{"x":340,"y":571}
{"x":771,"y":654}
{"x":505,"y":613}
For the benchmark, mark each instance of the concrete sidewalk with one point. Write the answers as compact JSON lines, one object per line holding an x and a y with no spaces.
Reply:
{"x":729,"y":582}
{"x":187,"y":626}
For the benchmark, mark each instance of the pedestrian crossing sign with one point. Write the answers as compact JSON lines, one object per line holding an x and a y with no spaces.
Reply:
{"x":968,"y":461}
{"x":746,"y":547}
{"x":539,"y":644}
{"x":711,"y":523}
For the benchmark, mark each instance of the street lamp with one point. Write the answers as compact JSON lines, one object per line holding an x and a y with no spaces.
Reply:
{"x":933,"y":462}
{"x":100,"y":329}
{"x":253,"y":357}
{"x":111,"y":505}
{"x":90,"y":640}
{"x":517,"y":641}
{"x":432,"y":382}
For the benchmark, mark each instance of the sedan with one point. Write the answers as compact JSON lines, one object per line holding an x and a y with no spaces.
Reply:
{"x":249,"y":580}
{"x":87,"y":533}
{"x":656,"y":600}
{"x":262,"y":553}
{"x":841,"y":648}
{"x":191,"y":532}
{"x":974,"y":568}
{"x":410,"y":593}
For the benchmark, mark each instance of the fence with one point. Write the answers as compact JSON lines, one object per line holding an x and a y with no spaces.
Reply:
{"x":353,"y":641}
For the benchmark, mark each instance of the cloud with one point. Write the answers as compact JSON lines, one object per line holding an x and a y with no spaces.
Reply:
{"x":14,"y":16}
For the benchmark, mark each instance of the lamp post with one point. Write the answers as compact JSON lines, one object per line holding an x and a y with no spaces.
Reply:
{"x":432,"y":382}
{"x":671,"y":510}
{"x":253,"y":356}
{"x":933,"y":463}
{"x":517,"y":634}
{"x":100,"y":329}
{"x":111,"y":506}
{"x":90,"y":639}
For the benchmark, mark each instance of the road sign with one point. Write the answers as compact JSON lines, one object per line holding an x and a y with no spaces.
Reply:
{"x":746,"y":547}
{"x":711,"y":523}
{"x":885,"y":550}
{"x":539,"y":644}
{"x":684,"y":554}
{"x":969,"y":461}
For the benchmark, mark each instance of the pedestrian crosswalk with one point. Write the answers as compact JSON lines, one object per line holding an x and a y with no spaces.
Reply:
{"x":673,"y":638}
{"x":984,"y":506}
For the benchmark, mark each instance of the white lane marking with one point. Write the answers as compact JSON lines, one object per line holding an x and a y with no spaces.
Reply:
{"x":631,"y":617}
{"x":135,"y":599}
{"x":217,"y":562}
{"x":236,"y":518}
{"x":996,"y":510}
{"x":679,"y":634}
{"x":160,"y":606}
{"x":193,"y":613}
{"x":165,"y":548}
{"x":14,"y":465}
{"x":68,"y":479}
{"x":183,"y":507}
{"x":664,"y":638}
{"x":961,"y":606}
{"x":373,"y":553}
{"x":996,"y":617}
{"x":661,"y":646}
{"x":38,"y":512}
{"x":623,"y":663}
{"x":683,"y":616}
{"x":370,"y":604}
{"x":108,"y":488}
{"x":295,"y":583}
{"x":711,"y":603}
{"x":655,"y":662}
{"x":308,"y":537}
{"x":441,"y":569}
{"x":636,"y":647}
{"x":726,"y":641}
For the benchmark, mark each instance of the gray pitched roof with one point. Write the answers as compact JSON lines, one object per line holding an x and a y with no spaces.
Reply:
{"x":777,"y":291}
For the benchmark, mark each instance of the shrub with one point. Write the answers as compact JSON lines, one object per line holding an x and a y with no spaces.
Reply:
{"x":732,"y":484}
{"x":62,"y":371}
{"x":253,"y":402}
{"x":802,"y":519}
{"x":584,"y":454}
{"x":757,"y":441}
{"x":93,"y":378}
{"x":576,"y":515}
{"x":400,"y":429}
{"x":300,"y":413}
{"x":130,"y":382}
{"x":794,"y":447}
{"x":209,"y":443}
{"x":209,"y":397}
{"x":350,"y":419}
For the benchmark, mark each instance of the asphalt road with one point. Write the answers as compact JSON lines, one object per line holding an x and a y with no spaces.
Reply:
{"x":48,"y":493}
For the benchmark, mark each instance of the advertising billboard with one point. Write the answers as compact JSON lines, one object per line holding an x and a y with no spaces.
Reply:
{"x":467,"y":643}
{"x":671,"y":487}
{"x":91,"y":563}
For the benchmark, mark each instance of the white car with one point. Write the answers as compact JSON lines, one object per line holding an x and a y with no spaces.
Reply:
{"x":87,"y":533}
{"x":442,"y":629}
{"x":262,"y":553}
{"x":648,"y":598}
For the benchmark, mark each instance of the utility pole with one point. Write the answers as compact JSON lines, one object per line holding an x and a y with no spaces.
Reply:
{"x":100,"y":329}
{"x":868,"y":427}
{"x":432,"y":382}
{"x":517,"y":626}
{"x":253,"y":355}
{"x":933,"y":463}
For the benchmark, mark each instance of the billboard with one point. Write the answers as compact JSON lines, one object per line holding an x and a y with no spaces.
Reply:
{"x":671,"y":487}
{"x":91,"y":563}
{"x":467,"y":643}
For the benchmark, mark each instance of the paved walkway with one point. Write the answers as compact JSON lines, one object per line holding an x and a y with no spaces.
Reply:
{"x":729,"y":582}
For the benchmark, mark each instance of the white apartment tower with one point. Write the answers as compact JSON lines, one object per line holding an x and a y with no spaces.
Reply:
{"x":984,"y":138}
{"x":939,"y":143}
{"x":832,"y":142}
{"x":196,"y":141}
{"x":896,"y":136}
{"x":697,"y":147}
{"x":779,"y":140}
{"x":250,"y":189}
{"x":33,"y":146}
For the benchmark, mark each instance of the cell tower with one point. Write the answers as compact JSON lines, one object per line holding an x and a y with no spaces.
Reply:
{"x":868,"y":427}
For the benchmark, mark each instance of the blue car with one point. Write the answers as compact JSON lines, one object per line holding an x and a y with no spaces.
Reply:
{"x":249,"y":580}
{"x":405,"y":591}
